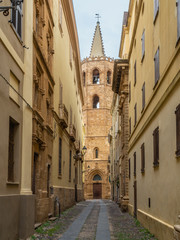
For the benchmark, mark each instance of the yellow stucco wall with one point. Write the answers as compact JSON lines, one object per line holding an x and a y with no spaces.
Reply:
{"x":159,"y":184}
{"x":70,"y":77}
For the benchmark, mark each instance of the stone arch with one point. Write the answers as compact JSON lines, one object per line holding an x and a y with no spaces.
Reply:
{"x":95,"y":172}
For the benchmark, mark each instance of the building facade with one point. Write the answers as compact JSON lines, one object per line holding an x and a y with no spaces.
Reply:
{"x":119,"y":134}
{"x":16,"y":199}
{"x":43,"y":92}
{"x":152,"y":35}
{"x":67,"y":186}
{"x":97,"y":81}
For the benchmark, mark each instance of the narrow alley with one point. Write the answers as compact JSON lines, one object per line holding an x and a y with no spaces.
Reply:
{"x":93,"y":219}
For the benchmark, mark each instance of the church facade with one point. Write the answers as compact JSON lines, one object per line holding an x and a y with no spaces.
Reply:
{"x":97,"y":81}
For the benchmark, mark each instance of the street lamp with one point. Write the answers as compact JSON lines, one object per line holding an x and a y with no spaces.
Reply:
{"x":14,"y":4}
{"x":84,"y":149}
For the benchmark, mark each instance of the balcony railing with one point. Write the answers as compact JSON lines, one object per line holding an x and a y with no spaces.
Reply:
{"x":72,"y":132}
{"x":63,"y":115}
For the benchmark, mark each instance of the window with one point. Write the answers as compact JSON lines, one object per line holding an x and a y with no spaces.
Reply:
{"x":156,"y":9}
{"x":16,"y":19}
{"x":178,"y":18}
{"x":97,"y":177}
{"x":129,"y":126}
{"x":129,"y":91}
{"x":108,"y":77}
{"x":96,"y":152}
{"x":15,"y":83}
{"x":143,"y":96}
{"x":13,"y":149}
{"x":84,"y":79}
{"x":178,"y":130}
{"x":60,"y":13}
{"x":143,"y":45}
{"x":129,"y":168}
{"x":70,"y":156}
{"x":156,"y":66}
{"x":135,"y":114}
{"x":135,"y":73}
{"x":95,"y":76}
{"x":135,"y":164}
{"x":156,"y":146}
{"x":95,"y":101}
{"x":61,"y":94}
{"x":60,"y":156}
{"x":142,"y":158}
{"x":48,"y":179}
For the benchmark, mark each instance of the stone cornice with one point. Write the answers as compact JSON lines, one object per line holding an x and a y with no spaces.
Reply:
{"x":91,"y":59}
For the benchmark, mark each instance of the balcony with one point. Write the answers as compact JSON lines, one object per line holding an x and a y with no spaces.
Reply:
{"x":72,"y":132}
{"x":63,"y":115}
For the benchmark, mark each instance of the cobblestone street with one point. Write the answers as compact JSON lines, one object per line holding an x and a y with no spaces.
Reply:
{"x":96,"y":219}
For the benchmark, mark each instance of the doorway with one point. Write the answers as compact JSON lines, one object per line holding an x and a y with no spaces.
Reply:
{"x":97,"y":190}
{"x":135,"y":199}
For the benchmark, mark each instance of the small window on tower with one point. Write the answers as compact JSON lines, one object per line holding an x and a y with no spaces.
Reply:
{"x":95,"y":76}
{"x":108,"y":77}
{"x":95,"y":101}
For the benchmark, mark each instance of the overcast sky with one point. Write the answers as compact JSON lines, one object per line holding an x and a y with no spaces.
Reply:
{"x":111,"y":13}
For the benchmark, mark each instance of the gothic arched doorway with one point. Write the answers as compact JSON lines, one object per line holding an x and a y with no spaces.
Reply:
{"x":97,"y":187}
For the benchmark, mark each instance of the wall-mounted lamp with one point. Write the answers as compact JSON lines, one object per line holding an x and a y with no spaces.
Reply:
{"x":80,"y":155}
{"x":5,"y":9}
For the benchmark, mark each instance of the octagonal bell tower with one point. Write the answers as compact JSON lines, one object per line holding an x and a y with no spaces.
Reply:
{"x":97,"y":80}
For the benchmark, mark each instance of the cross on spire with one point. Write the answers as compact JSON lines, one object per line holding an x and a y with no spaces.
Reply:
{"x":98,"y":17}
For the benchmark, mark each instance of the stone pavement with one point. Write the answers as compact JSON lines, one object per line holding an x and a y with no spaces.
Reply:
{"x":93,"y":220}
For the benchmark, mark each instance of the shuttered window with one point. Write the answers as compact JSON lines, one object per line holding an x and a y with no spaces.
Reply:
{"x":135,"y":73}
{"x":143,"y":45}
{"x":143,"y":96}
{"x":135,"y":114}
{"x":156,"y":9}
{"x":135,"y":164}
{"x":156,"y":66}
{"x":142,"y":158}
{"x":130,"y":126}
{"x":156,"y":146}
{"x":178,"y":130}
{"x":129,"y":91}
{"x":60,"y":156}
{"x":16,"y":19}
{"x":178,"y":18}
{"x":129,"y":168}
{"x":70,"y":157}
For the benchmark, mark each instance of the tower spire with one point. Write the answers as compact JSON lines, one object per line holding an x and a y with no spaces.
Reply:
{"x":97,"y":48}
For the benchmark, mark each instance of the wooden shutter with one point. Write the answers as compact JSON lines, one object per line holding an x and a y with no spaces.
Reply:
{"x":143,"y":96}
{"x":143,"y":44}
{"x":129,"y":168}
{"x":135,"y":73}
{"x":156,"y":66}
{"x":156,"y":146}
{"x":135,"y":114}
{"x":129,"y":91}
{"x":60,"y":156}
{"x":178,"y":19}
{"x":178,"y":130}
{"x":142,"y":158}
{"x":70,"y":154}
{"x":11,"y":152}
{"x":135,"y":164}
{"x":130,"y":126}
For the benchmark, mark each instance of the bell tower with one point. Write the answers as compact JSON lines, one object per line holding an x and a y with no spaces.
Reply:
{"x":97,"y":80}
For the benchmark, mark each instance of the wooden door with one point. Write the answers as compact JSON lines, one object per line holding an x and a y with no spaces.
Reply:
{"x":97,"y":190}
{"x":135,"y":199}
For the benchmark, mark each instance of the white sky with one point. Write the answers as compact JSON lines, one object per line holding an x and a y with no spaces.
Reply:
{"x":111,"y":13}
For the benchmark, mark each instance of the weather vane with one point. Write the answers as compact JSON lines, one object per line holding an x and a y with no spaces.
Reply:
{"x":98,"y":17}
